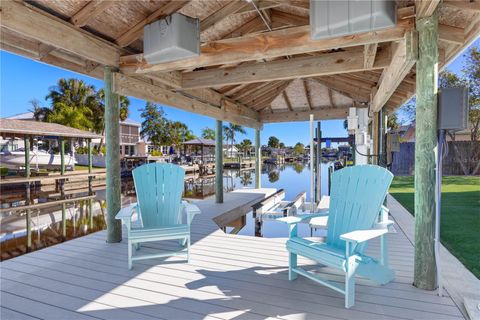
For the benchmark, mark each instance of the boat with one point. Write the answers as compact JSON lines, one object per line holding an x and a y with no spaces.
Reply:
{"x":38,"y":159}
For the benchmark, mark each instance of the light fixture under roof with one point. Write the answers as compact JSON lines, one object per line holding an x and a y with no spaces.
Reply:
{"x":175,"y":37}
{"x":334,"y":18}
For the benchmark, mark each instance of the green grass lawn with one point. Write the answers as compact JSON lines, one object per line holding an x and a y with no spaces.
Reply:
{"x":460,"y":216}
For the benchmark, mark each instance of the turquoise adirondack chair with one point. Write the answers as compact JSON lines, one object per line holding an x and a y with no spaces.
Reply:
{"x":161,"y":213}
{"x":356,"y":199}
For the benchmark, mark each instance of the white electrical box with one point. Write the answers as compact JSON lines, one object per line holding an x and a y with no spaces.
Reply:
{"x":352,"y":123}
{"x":453,"y":109}
{"x":173,"y":38}
{"x":333,"y":18}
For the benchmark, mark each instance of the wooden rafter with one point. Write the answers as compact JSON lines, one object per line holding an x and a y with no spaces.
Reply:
{"x":289,"y":116}
{"x":451,"y":34}
{"x":262,"y":92}
{"x":30,"y":22}
{"x":345,"y":89}
{"x":231,"y":8}
{"x":272,"y":44}
{"x":136,"y":32}
{"x":330,"y":97}
{"x":310,"y":66}
{"x":403,"y":60}
{"x":170,"y":80}
{"x":130,"y":86}
{"x":306,"y":89}
{"x":287,"y":100}
{"x":463,"y":5}
{"x":266,"y":100}
{"x":283,"y":18}
{"x":425,"y":8}
{"x":370,"y":52}
{"x":90,"y":11}
{"x":248,"y":89}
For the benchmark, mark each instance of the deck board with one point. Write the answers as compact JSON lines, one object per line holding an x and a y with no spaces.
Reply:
{"x":229,"y":277}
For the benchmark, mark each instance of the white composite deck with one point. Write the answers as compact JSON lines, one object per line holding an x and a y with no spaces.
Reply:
{"x":230,"y":277}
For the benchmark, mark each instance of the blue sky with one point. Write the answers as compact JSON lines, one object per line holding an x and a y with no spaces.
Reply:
{"x":22,"y":80}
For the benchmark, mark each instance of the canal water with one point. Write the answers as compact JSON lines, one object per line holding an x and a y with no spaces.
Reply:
{"x":47,"y":222}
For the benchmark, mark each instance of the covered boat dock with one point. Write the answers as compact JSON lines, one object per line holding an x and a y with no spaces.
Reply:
{"x":257,"y":65}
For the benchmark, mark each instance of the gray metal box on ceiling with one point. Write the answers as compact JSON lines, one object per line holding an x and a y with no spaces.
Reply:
{"x":173,"y":38}
{"x":333,"y":18}
{"x":453,"y":109}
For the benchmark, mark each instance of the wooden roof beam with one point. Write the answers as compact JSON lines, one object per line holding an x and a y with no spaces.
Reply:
{"x":90,"y":11}
{"x":287,"y":100}
{"x":36,"y":24}
{"x":451,"y":34}
{"x":462,"y":5}
{"x":136,"y":32}
{"x":290,"y":116}
{"x":310,"y":66}
{"x":307,"y":94}
{"x":404,"y":57}
{"x":425,"y":8}
{"x":170,"y":80}
{"x":330,"y":97}
{"x":267,"y":99}
{"x":273,"y":44}
{"x":141,"y":89}
{"x":369,"y":54}
{"x":347,"y":90}
{"x":231,"y":8}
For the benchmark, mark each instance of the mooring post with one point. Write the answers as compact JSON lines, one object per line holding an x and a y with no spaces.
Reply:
{"x":382,"y":130}
{"x":318,"y":163}
{"x":258,"y":160}
{"x":90,"y":192}
{"x":28,"y":217}
{"x":112,"y":136}
{"x":425,"y":143}
{"x":62,"y":187}
{"x":219,"y":162}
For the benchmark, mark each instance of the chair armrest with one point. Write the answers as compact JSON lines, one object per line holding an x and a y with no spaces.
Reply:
{"x":191,"y":210}
{"x":360,"y":236}
{"x":302,"y":217}
{"x":126,"y":212}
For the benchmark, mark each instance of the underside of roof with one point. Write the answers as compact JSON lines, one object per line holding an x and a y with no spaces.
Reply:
{"x":252,"y":69}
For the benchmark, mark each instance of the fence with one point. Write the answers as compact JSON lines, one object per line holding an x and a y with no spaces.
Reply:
{"x":463,"y":158}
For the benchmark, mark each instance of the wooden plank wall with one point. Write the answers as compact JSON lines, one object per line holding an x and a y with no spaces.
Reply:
{"x":404,"y":161}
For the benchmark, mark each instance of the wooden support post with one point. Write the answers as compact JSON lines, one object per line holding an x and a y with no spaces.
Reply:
{"x":112,"y":135}
{"x":258,"y":160}
{"x":375,"y":159}
{"x":219,"y":162}
{"x":26,"y":141}
{"x":90,"y":192}
{"x":318,"y":161}
{"x":382,"y":130}
{"x":62,"y":187}
{"x":89,"y":147}
{"x":62,"y":156}
{"x":27,"y":193}
{"x":425,"y":143}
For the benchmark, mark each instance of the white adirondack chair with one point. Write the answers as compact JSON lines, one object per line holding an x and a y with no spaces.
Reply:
{"x":161,"y":213}
{"x":356,"y":199}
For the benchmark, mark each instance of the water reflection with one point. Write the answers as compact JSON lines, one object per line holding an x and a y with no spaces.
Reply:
{"x":88,"y":215}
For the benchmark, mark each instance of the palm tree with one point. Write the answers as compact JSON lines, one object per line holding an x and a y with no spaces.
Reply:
{"x":79,"y":118}
{"x":39,"y":113}
{"x":230,"y":132}
{"x":208,"y":133}
{"x":245,"y":145}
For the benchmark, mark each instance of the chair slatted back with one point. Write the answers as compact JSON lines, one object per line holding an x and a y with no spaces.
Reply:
{"x":356,"y":196}
{"x":159,"y":188}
